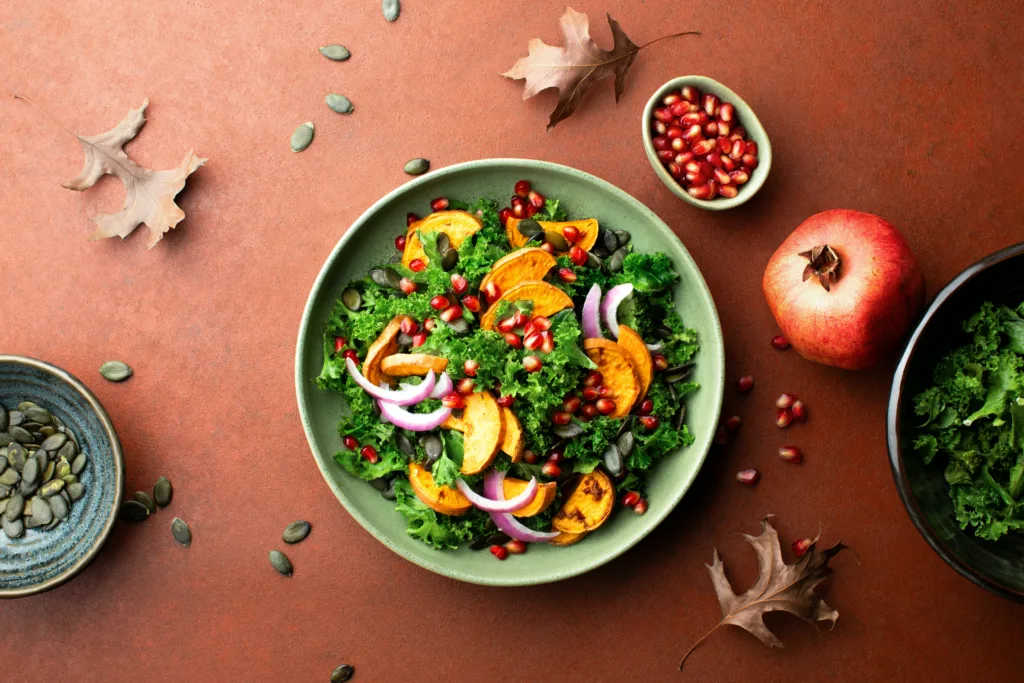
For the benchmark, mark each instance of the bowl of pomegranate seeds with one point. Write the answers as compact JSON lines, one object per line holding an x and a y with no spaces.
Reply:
{"x":705,"y":143}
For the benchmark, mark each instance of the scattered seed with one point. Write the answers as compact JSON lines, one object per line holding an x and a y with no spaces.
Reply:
{"x":302,"y":137}
{"x":48,"y":472}
{"x":181,"y":532}
{"x":677,"y":422}
{"x":611,"y":241}
{"x":145,"y":499}
{"x":389,"y":492}
{"x":339,"y":104}
{"x":613,"y":460}
{"x":557,"y":240}
{"x":617,"y":258}
{"x":342,"y":673}
{"x":391,"y":8}
{"x":405,"y":445}
{"x":335,"y":53}
{"x":76,"y":491}
{"x":295,"y":532}
{"x":3,"y":419}
{"x":15,"y":418}
{"x":162,"y":492}
{"x":417,"y":166}
{"x":529,"y":228}
{"x":623,"y":236}
{"x":568,"y":431}
{"x":352,"y":299}
{"x":280,"y":562}
{"x":625,"y":443}
{"x":134,"y":511}
{"x":593,"y":261}
{"x":115,"y":371}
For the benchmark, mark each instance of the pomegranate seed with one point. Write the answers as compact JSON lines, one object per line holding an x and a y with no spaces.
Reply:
{"x":451,"y":313}
{"x":588,"y":410}
{"x":552,"y":470}
{"x":590,"y":393}
{"x":670,"y":99}
{"x":641,"y":507}
{"x":679,"y":109}
{"x":729,"y":191}
{"x":419,"y":339}
{"x":659,"y":361}
{"x":547,"y":341}
{"x":604,"y":391}
{"x":700,"y":191}
{"x":779,"y":342}
{"x":578,"y":255}
{"x":605,"y":406}
{"x":506,"y":325}
{"x":528,"y":329}
{"x":679,"y":144}
{"x":532,"y":363}
{"x":673,"y":132}
{"x":692,"y":167}
{"x":410,"y":218}
{"x":733,"y":423}
{"x":724,"y":144}
{"x":470,"y":367}
{"x":407,"y":325}
{"x":745,"y":384}
{"x":519,"y":210}
{"x":440,"y":302}
{"x":684,"y":158}
{"x":802,"y":545}
{"x":537,"y":200}
{"x":748,"y":477}
{"x":751,"y":148}
{"x":561,"y":417}
{"x":531,"y":341}
{"x":800,"y":411}
{"x":738,"y":149}
{"x":515,"y":547}
{"x":675,"y":169}
{"x":785,"y":401}
{"x":791,"y":454}
{"x":504,"y":215}
{"x":646,"y":406}
{"x":523,"y":188}
{"x":691,"y":119}
{"x":715,"y":159}
{"x":630,"y":498}
{"x":350,"y":443}
{"x":350,"y":353}
{"x":664,"y":115}
{"x":711,"y":129}
{"x":499,"y":551}
{"x":571,"y":234}
{"x":572,"y":404}
{"x":339,"y":343}
{"x":529,"y":457}
{"x":400,"y":243}
{"x":730,"y":166}
{"x":453,"y":401}
{"x":724,"y":128}
{"x":416,"y":265}
{"x":428,"y":324}
{"x":567,"y":274}
{"x":459,"y":283}
{"x":556,"y":456}
{"x":407,"y":286}
{"x":783,"y":418}
{"x":721,"y":436}
{"x":548,"y":247}
{"x":721,"y":176}
{"x":593,"y":379}
{"x":739,"y":177}
{"x":650,"y":422}
{"x":659,"y":127}
{"x":541,"y":323}
{"x":513,"y":340}
{"x":439,"y":204}
{"x":692,"y":134}
{"x":749,"y":161}
{"x":696,"y":179}
{"x":726,"y":112}
{"x":710,"y":103}
{"x":703,"y":147}
{"x":471,"y":302}
{"x":492,"y":292}
{"x":369,"y":452}
{"x":690,"y":94}
{"x":465,"y":386}
{"x":506,"y":401}
{"x":519,"y":318}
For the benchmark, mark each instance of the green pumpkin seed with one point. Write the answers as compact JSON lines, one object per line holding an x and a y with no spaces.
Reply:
{"x":68,"y":480}
{"x":16,"y":456}
{"x":36,"y":414}
{"x":15,"y":418}
{"x":21,"y":435}
{"x":6,"y":438}
{"x":417,"y":166}
{"x":78,"y":464}
{"x":281,"y":563}
{"x":115,"y":371}
{"x":612,"y":460}
{"x":181,"y":532}
{"x":680,"y":418}
{"x":339,"y":104}
{"x":25,"y":405}
{"x":405,"y":445}
{"x":302,"y":137}
{"x":432,"y":445}
{"x":76,"y":491}
{"x":568,"y":431}
{"x":3,"y":419}
{"x":623,"y":236}
{"x":616,"y":259}
{"x":557,"y":240}
{"x":133,"y":511}
{"x":593,"y":261}
{"x":60,"y":507}
{"x":3,"y":505}
{"x":15,"y":529}
{"x":342,"y":673}
{"x":41,"y":510}
{"x":335,"y":53}
{"x":673,"y":375}
{"x":529,"y":228}
{"x":443,"y":242}
{"x":30,"y":474}
{"x":48,"y":431}
{"x":380,"y":276}
{"x":31,"y":522}
{"x":295,"y":532}
{"x":611,"y":241}
{"x":52,"y":488}
{"x":53,"y":443}
{"x":379,"y":483}
{"x":626,"y":426}
{"x":145,"y":499}
{"x":352,"y":299}
{"x":449,"y":259}
{"x":6,"y":491}
{"x":162,"y":491}
{"x":391,"y":9}
{"x":625,"y":443}
{"x":49,"y":471}
{"x":389,"y":492}
{"x":15,"y":506}
{"x":63,"y":469}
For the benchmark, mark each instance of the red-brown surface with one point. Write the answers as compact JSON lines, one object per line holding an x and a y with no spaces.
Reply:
{"x":908,"y":110}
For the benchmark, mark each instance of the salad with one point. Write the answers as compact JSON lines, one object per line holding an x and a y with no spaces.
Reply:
{"x":974,"y":423}
{"x":510,"y":373}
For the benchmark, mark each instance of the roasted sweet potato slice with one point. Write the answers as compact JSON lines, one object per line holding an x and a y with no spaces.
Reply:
{"x":587,"y":228}
{"x":619,"y":374}
{"x":385,"y":345}
{"x":512,"y":443}
{"x":458,"y":225}
{"x":545,"y":496}
{"x":531,"y":263}
{"x":405,"y":364}
{"x":564,"y":538}
{"x":547,"y":300}
{"x":634,"y":346}
{"x":588,"y":506}
{"x":483,"y":431}
{"x":443,"y":499}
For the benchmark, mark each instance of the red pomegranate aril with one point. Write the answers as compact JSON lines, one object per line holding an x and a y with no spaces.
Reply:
{"x":567,"y":275}
{"x":451,"y":313}
{"x":440,"y":302}
{"x":800,"y":411}
{"x":471,"y":303}
{"x":751,"y":147}
{"x":733,"y":423}
{"x":738,"y":133}
{"x":710,"y":104}
{"x":779,"y":342}
{"x":791,"y":454}
{"x":724,"y":128}
{"x":715,"y":159}
{"x":684,"y":158}
{"x":551,"y":469}
{"x":593,"y":379}
{"x":532,"y":210}
{"x":711,"y":129}
{"x":439,"y":204}
{"x":532,"y":363}
{"x":350,"y":353}
{"x":416,"y":265}
{"x":571,"y":234}
{"x":659,"y":361}
{"x":419,"y":339}
{"x":702,"y":191}
{"x":674,"y":169}
{"x":459,"y":283}
{"x":802,"y":545}
{"x":692,"y":119}
{"x":729,"y":165}
{"x":556,"y":456}
{"x":641,"y":507}
{"x":499,"y":551}
{"x":548,"y":247}
{"x":428,"y":324}
{"x":785,"y":401}
{"x":748,"y":477}
{"x":532,"y":340}
{"x":749,"y":161}
{"x":339,"y":343}
{"x":696,"y":179}
{"x":588,"y":410}
{"x":721,"y":436}
{"x":664,"y":114}
{"x":529,"y":457}
{"x":739,"y":177}
{"x":465,"y":386}
{"x":407,"y":325}
{"x":492,"y":292}
{"x":659,"y":127}
{"x":350,"y":443}
{"x":692,"y":167}
{"x":400,"y":243}
{"x":590,"y":393}
{"x":572,"y":404}
{"x":630,"y":498}
{"x":578,"y":255}
{"x":513,"y":340}
{"x":407,"y":286}
{"x":504,"y":215}
{"x":528,"y":329}
{"x":745,"y":384}
{"x":650,"y":422}
{"x":722,"y":177}
{"x":541,"y":323}
{"x":679,"y":145}
{"x":728,"y":191}
{"x":369,"y":453}
{"x":693,"y":133}
{"x":724,"y":144}
{"x":674,"y":132}
{"x":605,"y":406}
{"x":470,"y":367}
{"x":519,"y":319}
{"x":515,"y":547}
{"x":506,"y":401}
{"x":738,"y":149}
{"x":410,"y":218}
{"x":604,"y":391}
{"x":522,"y":188}
{"x":690,"y":94}
{"x":506,"y":325}
{"x":783,"y":418}
{"x":727,"y":112}
{"x":666,"y":154}
{"x":671,"y":98}
{"x":703,"y":147}
{"x":453,"y":401}
{"x":646,"y":406}
{"x":519,"y":210}
{"x":679,"y":109}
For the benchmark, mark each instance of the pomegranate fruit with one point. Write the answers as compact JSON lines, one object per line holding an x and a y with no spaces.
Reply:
{"x":844,"y":288}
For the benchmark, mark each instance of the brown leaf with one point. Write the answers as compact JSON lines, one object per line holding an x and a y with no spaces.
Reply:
{"x":577,"y":66}
{"x":149,"y":194}
{"x":779,"y":587}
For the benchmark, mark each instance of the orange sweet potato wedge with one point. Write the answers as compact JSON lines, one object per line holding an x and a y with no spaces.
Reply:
{"x":531,"y":263}
{"x":564,"y":538}
{"x":619,"y":374}
{"x":547,"y":300}
{"x":587,"y":228}
{"x":588,"y":506}
{"x":483,"y":431}
{"x":512,"y":443}
{"x":443,"y":499}
{"x":458,"y":225}
{"x":405,"y":364}
{"x":633,"y":344}
{"x":385,"y":345}
{"x":545,"y":496}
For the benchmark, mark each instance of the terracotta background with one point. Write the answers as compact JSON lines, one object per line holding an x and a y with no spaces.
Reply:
{"x":910,"y":110}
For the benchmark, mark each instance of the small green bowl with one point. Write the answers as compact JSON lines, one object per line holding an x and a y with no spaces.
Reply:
{"x":370,"y":240}
{"x":746,"y":118}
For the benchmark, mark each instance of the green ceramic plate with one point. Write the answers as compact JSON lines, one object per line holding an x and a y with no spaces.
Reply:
{"x":370,"y":240}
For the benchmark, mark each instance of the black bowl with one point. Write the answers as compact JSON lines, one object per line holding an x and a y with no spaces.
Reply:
{"x":999,"y":565}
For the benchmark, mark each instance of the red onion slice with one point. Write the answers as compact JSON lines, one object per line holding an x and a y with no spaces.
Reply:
{"x":610,"y":308}
{"x":590,"y":315}
{"x":509,"y":505}
{"x":494,"y":488}
{"x":408,"y":396}
{"x":444,"y":386}
{"x":414,"y":422}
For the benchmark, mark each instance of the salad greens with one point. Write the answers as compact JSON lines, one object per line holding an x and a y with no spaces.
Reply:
{"x":974,"y":422}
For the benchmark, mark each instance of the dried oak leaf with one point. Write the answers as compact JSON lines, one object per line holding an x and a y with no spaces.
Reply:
{"x":149,"y":194}
{"x":779,"y":587}
{"x":577,"y":66}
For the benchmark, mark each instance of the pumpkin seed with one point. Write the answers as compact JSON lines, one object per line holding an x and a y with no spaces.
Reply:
{"x":68,"y":480}
{"x":478,"y":543}
{"x":672,"y":393}
{"x":52,"y":525}
{"x":25,"y":405}
{"x":342,"y":673}
{"x":30,"y":475}
{"x":626,"y":426}
{"x":3,"y":460}
{"x":568,"y":431}
{"x":593,"y":261}
{"x":339,"y":104}
{"x":15,"y":529}
{"x":443,"y":242}
{"x":616,"y":259}
{"x":625,"y":443}
{"x":379,"y":483}
{"x":63,"y":469}
{"x":623,"y":236}
{"x":134,"y":511}
{"x":404,"y":444}
{"x":335,"y":53}
{"x":68,"y":451}
{"x":352,"y":299}
{"x":15,"y":418}
{"x":432,"y":445}
{"x":662,"y":333}
{"x":31,"y":522}
{"x":76,"y":491}
{"x":145,"y":499}
{"x":680,"y":418}
{"x":41,"y":510}
{"x":15,"y":506}
{"x":115,"y":371}
{"x":449,"y":258}
{"x":5,"y":491}
{"x":10,"y":477}
{"x":612,"y":459}
{"x":459,"y":326}
{"x":53,"y":443}
{"x":677,"y":374}
{"x":48,"y":431}
{"x":295,"y":532}
{"x":281,"y":563}
{"x":498,"y":538}
{"x":21,"y":435}
{"x":302,"y":137}
{"x":16,"y":455}
{"x":530,"y":228}
{"x":48,"y":471}
{"x":611,"y":241}
{"x":6,"y":438}
{"x":389,"y":492}
{"x":60,"y":507}
{"x":52,"y":488}
{"x":39,"y":415}
{"x":391,"y":9}
{"x":3,"y":505}
{"x":417,"y":166}
{"x":181,"y":532}
{"x":162,"y":491}
{"x":395,"y":258}
{"x":78,"y":464}
{"x":3,"y":419}
{"x":557,"y":240}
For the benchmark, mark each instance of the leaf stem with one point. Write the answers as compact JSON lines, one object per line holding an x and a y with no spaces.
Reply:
{"x":674,"y":35}
{"x":44,"y":113}
{"x":694,"y":646}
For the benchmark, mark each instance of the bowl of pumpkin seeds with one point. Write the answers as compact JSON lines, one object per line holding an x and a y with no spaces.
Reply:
{"x":61,"y":476}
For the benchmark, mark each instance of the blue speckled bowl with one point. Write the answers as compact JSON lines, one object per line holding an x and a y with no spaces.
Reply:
{"x":42,"y":560}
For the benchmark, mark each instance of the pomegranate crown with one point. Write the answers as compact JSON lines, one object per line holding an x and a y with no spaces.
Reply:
{"x":822,"y":261}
